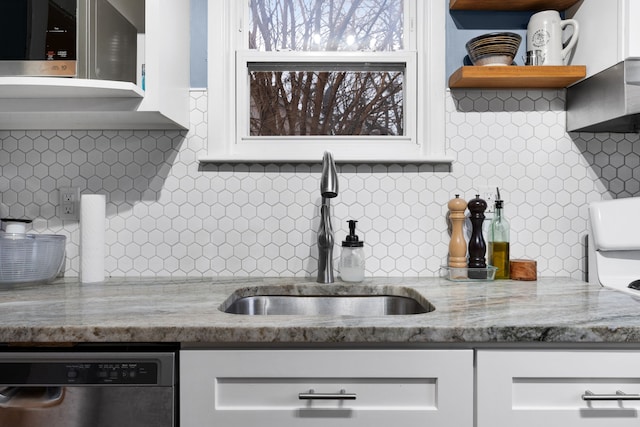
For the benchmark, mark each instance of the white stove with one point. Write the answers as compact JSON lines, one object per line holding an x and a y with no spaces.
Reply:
{"x":614,"y":244}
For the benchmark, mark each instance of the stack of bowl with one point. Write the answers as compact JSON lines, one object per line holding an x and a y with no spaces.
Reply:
{"x":493,"y":48}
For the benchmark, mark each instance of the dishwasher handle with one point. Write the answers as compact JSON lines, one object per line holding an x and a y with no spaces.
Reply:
{"x":31,"y":397}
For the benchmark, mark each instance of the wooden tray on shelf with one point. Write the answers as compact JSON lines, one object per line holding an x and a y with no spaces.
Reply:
{"x":523,"y":77}
{"x":533,"y":5}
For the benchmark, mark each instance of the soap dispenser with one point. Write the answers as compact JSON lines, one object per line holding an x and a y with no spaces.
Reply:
{"x":352,"y":256}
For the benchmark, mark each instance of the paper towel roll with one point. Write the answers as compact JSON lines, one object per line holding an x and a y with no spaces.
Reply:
{"x":93,"y":213}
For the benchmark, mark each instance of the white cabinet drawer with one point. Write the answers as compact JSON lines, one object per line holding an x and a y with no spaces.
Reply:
{"x":534,"y":388}
{"x":279,"y":388}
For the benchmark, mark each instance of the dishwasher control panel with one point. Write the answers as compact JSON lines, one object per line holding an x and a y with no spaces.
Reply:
{"x":79,"y":373}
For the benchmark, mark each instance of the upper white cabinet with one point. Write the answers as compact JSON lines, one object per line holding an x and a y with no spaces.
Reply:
{"x":71,"y":103}
{"x":609,"y":32}
{"x":281,"y":388}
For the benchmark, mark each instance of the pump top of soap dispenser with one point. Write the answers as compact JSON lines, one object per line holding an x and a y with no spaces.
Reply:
{"x":352,"y":240}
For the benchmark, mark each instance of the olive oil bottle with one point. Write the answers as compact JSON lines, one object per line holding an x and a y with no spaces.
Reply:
{"x":499,"y":241}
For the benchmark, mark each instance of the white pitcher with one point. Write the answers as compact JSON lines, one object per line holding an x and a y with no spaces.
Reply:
{"x":544,"y":33}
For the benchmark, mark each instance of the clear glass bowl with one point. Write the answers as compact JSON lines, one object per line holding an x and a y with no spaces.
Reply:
{"x":30,"y":258}
{"x":464,"y":274}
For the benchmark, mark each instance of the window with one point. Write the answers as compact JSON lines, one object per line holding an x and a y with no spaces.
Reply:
{"x":289,"y":79}
{"x":343,"y":99}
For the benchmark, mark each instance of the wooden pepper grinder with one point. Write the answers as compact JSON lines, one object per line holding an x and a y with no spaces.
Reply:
{"x":457,"y":245}
{"x":477,"y":245}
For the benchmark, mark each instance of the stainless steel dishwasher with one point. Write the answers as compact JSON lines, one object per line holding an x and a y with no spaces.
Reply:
{"x":88,"y":389}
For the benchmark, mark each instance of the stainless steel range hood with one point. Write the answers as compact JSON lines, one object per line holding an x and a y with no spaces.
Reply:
{"x":606,"y":102}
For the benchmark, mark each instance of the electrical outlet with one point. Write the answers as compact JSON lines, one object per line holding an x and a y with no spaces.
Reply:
{"x":488,"y":194}
{"x":68,"y":203}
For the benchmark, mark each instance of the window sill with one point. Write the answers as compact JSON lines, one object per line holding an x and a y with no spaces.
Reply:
{"x":318,"y":159}
{"x":262,"y":160}
{"x":354,"y":150}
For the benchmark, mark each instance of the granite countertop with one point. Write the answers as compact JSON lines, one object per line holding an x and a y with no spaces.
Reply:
{"x":551,"y":310}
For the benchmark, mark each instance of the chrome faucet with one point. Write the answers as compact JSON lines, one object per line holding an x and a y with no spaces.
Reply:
{"x":328,"y":190}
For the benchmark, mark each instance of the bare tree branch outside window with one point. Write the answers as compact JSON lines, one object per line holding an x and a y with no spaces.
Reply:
{"x":347,"y":99}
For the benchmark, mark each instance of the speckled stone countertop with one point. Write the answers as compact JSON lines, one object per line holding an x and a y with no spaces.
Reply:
{"x":189,"y":311}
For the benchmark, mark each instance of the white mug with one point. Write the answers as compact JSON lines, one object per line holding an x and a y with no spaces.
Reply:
{"x":544,"y":33}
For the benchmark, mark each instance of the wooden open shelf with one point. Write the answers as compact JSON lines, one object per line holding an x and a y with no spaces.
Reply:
{"x":523,"y":77}
{"x":511,"y":4}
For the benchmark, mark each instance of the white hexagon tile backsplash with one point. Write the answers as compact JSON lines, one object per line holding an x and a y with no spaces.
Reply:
{"x":168,"y":215}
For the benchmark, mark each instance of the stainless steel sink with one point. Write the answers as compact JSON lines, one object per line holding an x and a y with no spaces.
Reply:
{"x":328,"y":305}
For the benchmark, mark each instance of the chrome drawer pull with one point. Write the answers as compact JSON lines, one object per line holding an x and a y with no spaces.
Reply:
{"x":590,"y":396}
{"x":312,"y":395}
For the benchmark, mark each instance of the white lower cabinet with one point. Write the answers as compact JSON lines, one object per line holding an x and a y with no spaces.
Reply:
{"x":269,"y":388}
{"x":546,"y":388}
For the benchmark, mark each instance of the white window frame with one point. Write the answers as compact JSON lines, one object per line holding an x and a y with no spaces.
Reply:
{"x":424,"y":91}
